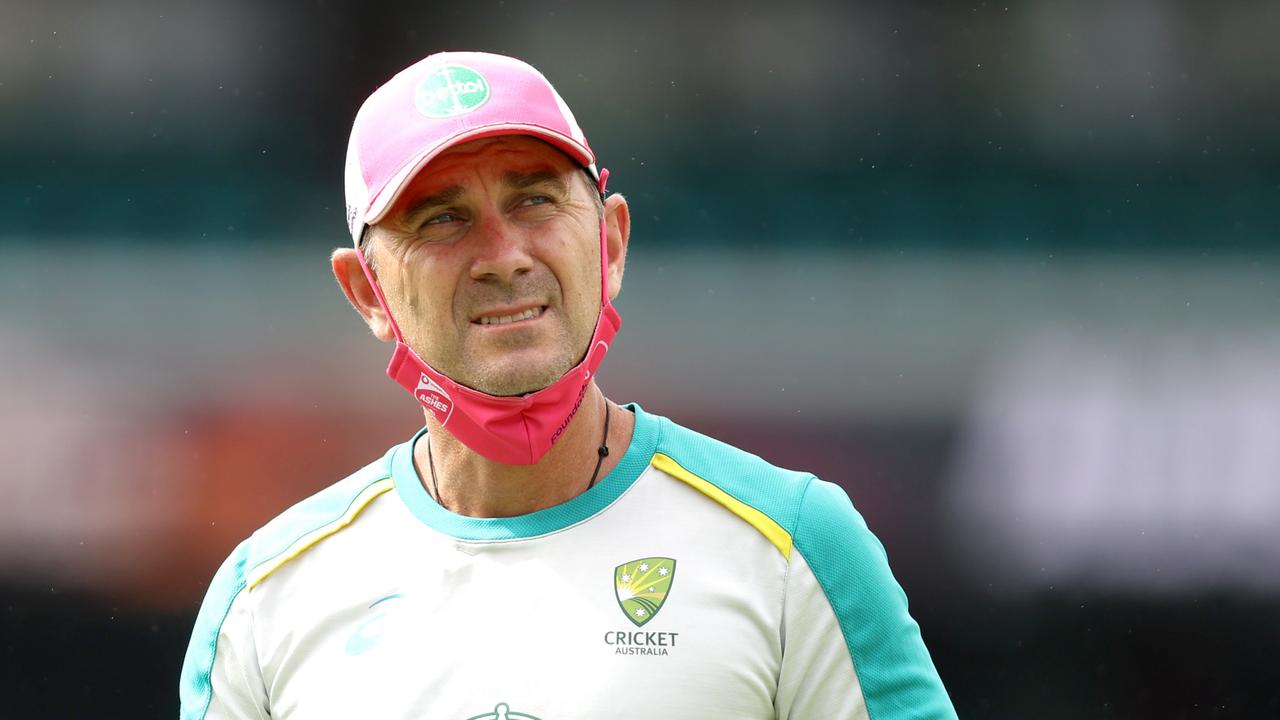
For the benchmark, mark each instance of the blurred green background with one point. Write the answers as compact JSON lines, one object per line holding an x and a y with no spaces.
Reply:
{"x":1005,"y":271}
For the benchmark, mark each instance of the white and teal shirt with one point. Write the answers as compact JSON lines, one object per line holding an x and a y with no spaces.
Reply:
{"x":694,"y":581}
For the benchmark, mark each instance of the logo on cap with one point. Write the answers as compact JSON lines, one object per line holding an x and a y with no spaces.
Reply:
{"x":450,"y":90}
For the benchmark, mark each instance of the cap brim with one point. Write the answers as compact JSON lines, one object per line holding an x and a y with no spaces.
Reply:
{"x":391,"y":192}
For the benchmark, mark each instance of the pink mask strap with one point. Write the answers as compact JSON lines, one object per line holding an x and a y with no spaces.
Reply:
{"x":604,"y":244}
{"x":377,"y":291}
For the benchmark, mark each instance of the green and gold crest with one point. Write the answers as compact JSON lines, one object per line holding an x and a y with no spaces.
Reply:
{"x":642,"y":587}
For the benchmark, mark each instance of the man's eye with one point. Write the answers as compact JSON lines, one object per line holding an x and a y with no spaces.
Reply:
{"x":537,"y":200}
{"x":442,"y":219}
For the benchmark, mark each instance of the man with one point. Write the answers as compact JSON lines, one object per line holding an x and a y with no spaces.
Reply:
{"x":537,"y":551}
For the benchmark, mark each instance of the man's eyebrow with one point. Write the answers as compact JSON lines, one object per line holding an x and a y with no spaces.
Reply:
{"x":517,"y":180}
{"x":520,"y":181}
{"x":444,"y":197}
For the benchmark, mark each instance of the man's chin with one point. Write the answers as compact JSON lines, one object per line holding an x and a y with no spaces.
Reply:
{"x":513,"y":384}
{"x":515,"y":373}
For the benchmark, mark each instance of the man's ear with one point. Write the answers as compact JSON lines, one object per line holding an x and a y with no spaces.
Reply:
{"x":355,"y":285}
{"x":617,"y":218}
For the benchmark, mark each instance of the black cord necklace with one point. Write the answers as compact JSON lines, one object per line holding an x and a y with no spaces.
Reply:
{"x":602,"y":453}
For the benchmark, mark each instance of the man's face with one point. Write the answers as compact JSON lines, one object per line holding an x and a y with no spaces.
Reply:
{"x":490,"y":263}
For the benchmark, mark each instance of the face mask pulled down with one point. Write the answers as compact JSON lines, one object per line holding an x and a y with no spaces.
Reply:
{"x":508,"y":430}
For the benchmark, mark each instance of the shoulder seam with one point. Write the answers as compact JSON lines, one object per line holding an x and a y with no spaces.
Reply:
{"x":808,"y":483}
{"x":826,"y":593}
{"x":313,"y":537}
{"x":795,"y":527}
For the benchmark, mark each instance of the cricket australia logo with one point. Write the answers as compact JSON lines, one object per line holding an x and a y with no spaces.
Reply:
{"x":433,"y":397}
{"x":642,"y":587}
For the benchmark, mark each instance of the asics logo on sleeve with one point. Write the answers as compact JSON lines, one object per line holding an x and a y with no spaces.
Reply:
{"x":368,"y":633}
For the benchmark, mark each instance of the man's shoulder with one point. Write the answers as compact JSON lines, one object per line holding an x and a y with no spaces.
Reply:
{"x":742,"y":481}
{"x":290,"y":534}
{"x":314,"y":518}
{"x":791,"y":509}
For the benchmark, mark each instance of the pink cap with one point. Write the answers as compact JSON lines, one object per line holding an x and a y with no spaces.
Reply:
{"x":441,"y":101}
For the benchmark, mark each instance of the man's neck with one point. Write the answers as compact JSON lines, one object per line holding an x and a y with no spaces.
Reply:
{"x":473,"y":485}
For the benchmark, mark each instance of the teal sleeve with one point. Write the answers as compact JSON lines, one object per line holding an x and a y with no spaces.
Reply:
{"x":897,"y":676}
{"x":196,"y":686}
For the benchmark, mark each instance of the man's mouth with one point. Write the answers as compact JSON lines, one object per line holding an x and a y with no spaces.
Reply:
{"x":508,"y":318}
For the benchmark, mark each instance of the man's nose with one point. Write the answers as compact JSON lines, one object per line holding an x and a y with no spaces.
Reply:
{"x":501,"y":250}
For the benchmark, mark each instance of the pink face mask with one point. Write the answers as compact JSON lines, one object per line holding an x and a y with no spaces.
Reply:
{"x":508,"y":430}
